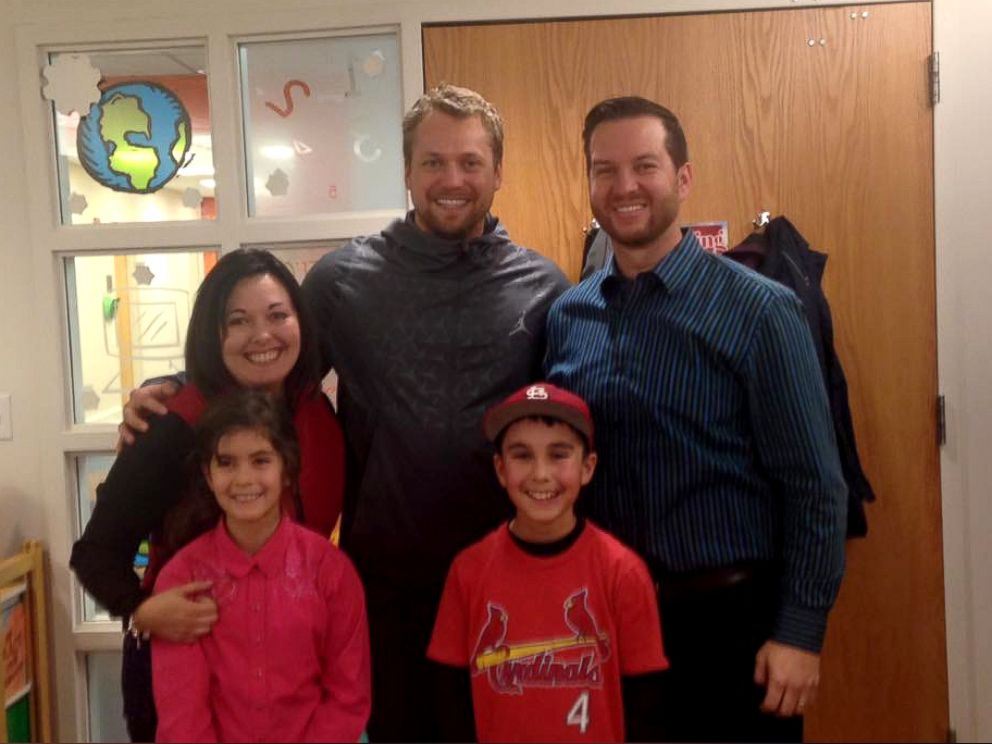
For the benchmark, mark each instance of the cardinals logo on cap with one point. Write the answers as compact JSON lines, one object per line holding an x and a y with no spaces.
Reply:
{"x":537,"y":392}
{"x":539,"y":399}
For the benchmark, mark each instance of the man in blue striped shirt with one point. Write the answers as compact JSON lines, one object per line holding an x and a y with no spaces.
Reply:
{"x":718,"y":459}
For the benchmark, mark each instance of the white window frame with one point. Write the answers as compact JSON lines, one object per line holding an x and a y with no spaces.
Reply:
{"x":52,"y":241}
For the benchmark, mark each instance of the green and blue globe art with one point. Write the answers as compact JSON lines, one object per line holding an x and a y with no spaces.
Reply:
{"x":135,"y":138}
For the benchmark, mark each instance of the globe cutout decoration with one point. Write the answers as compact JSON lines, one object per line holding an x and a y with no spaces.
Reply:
{"x":135,"y":138}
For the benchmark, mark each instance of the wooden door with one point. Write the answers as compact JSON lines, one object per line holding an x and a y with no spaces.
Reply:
{"x":821,"y":115}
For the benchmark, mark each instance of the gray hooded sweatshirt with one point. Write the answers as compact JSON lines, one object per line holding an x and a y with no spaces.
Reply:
{"x":425,"y":334}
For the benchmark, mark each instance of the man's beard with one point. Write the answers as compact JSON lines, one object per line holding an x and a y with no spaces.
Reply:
{"x":662,"y":217}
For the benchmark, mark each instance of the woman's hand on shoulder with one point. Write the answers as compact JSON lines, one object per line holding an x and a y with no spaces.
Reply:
{"x":182,"y":614}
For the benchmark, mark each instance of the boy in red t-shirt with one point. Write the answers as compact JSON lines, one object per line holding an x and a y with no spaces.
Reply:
{"x":548,"y":612}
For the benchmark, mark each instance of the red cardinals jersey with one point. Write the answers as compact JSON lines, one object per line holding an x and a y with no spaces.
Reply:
{"x":547,"y":638}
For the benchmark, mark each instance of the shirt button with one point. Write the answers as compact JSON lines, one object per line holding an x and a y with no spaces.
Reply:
{"x":256,"y":607}
{"x":258,"y":673}
{"x":258,"y":638}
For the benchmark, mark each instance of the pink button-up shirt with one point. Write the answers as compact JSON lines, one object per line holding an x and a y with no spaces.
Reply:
{"x":287,"y":659}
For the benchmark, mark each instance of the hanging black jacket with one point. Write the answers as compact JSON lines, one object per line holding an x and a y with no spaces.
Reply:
{"x":782,"y":254}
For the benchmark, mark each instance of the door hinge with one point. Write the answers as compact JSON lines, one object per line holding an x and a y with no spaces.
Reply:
{"x":952,"y":735}
{"x":941,"y":422}
{"x":933,"y":61}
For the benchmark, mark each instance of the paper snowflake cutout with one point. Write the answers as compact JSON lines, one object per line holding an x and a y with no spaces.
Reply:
{"x":90,"y":399}
{"x":142,"y":275}
{"x":77,"y":203}
{"x":72,"y":83}
{"x":278,"y":183}
{"x":192,"y":198}
{"x":374,"y":64}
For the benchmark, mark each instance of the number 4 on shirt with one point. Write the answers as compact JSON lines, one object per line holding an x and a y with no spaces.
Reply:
{"x":579,"y":713}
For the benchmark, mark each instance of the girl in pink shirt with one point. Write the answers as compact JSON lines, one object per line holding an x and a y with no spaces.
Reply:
{"x":288,"y":658}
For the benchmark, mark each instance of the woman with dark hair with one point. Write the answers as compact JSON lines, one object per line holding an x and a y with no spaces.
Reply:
{"x":249,"y":328}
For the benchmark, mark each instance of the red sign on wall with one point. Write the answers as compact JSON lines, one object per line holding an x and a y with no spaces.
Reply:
{"x":713,"y":236}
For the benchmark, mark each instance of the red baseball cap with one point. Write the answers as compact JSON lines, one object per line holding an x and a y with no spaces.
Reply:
{"x":539,"y":399}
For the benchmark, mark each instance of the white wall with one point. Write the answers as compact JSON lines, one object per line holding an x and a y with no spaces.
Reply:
{"x":963,"y":187}
{"x":963,"y":162}
{"x":21,"y":512}
{"x":25,"y":500}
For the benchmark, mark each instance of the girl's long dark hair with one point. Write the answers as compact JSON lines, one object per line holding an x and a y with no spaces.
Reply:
{"x":198,"y":512}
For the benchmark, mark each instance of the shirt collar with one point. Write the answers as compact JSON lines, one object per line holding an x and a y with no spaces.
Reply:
{"x":269,"y":559}
{"x":671,"y":272}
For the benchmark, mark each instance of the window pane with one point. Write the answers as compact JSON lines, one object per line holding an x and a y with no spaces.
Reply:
{"x":91,"y":471}
{"x":127,"y":322}
{"x":322,"y":125}
{"x":106,"y":709}
{"x":142,"y":151}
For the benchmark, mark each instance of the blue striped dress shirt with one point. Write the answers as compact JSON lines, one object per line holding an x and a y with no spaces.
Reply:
{"x":712,"y":425}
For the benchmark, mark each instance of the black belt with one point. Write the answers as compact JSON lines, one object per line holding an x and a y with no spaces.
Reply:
{"x":675,"y":586}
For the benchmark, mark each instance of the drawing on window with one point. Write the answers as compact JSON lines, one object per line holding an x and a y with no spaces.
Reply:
{"x":135,"y":139}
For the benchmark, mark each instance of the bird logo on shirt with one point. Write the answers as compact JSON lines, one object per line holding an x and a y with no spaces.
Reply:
{"x":493,"y":632}
{"x":580,"y":620}
{"x":567,"y":661}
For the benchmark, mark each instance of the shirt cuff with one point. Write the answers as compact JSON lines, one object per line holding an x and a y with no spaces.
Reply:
{"x":801,"y":627}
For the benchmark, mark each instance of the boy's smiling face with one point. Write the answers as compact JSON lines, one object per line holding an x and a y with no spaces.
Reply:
{"x":542,"y":467}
